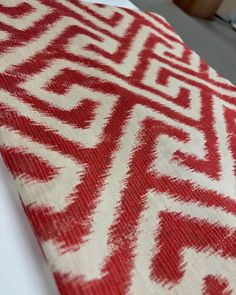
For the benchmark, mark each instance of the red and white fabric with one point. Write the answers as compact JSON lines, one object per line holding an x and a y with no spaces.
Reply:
{"x":121,"y":141}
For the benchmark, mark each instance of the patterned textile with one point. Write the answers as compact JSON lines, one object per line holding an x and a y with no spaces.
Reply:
{"x":122,"y":144}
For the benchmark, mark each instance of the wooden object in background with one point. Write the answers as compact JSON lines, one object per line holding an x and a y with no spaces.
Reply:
{"x":200,"y":8}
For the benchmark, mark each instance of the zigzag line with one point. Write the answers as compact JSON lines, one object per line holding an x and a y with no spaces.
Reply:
{"x":37,"y":11}
{"x":120,"y":161}
{"x":36,"y":193}
{"x":127,"y":61}
{"x":201,"y":260}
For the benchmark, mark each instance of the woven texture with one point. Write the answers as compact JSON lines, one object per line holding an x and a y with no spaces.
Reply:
{"x":122,"y":144}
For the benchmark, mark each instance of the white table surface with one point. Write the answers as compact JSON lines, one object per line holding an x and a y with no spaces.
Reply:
{"x":23,"y":269}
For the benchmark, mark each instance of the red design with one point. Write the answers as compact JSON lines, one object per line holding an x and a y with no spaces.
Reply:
{"x":122,"y":144}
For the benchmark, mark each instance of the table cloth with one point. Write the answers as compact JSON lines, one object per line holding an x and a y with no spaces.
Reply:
{"x":122,"y":145}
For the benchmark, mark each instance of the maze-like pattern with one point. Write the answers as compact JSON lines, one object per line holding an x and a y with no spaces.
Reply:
{"x":122,"y":144}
